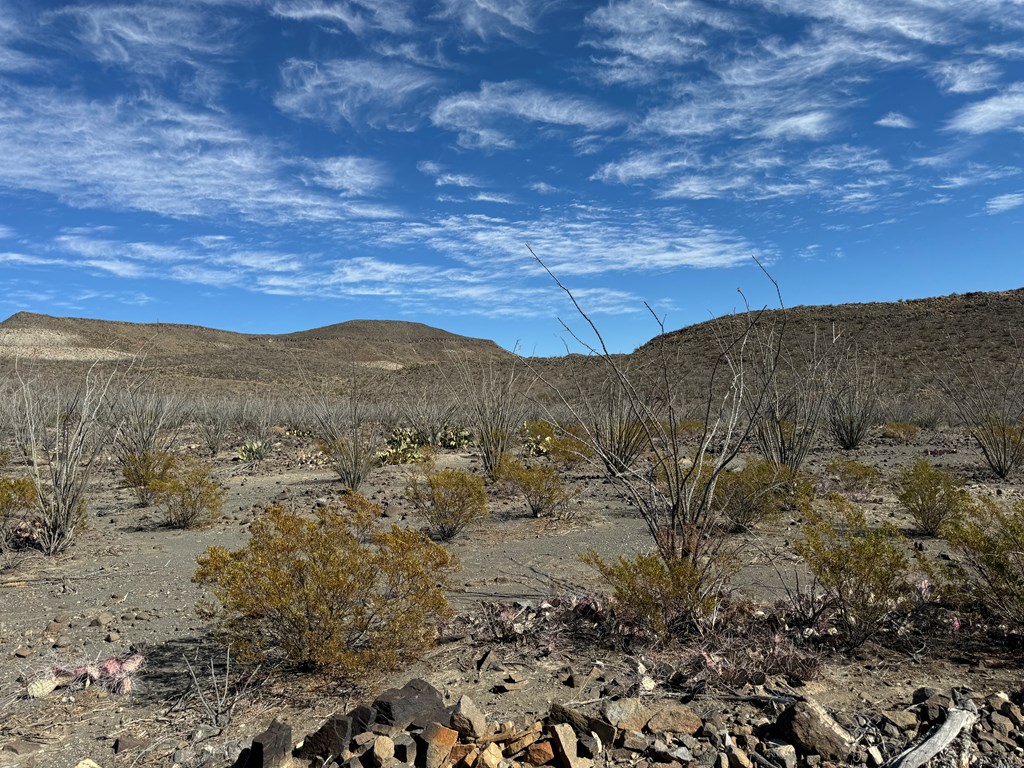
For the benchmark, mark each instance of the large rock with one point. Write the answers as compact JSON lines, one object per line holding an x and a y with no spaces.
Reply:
{"x":813,"y":730}
{"x":270,"y":749}
{"x":468,"y":719}
{"x":415,"y":703}
{"x":332,"y":738}
{"x":674,"y":717}
{"x":438,"y":742}
{"x":565,"y":747}
{"x":627,"y":714}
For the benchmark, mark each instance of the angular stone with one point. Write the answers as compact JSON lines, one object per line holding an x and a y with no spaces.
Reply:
{"x":464,"y":754}
{"x":438,"y":742}
{"x":540,"y":753}
{"x":588,"y":745}
{"x":102,"y":619}
{"x":627,"y":714}
{"x":331,"y":739}
{"x":674,"y":717}
{"x":903,"y":719}
{"x":129,"y":744}
{"x":782,"y":754}
{"x":739,"y":759}
{"x":23,"y":651}
{"x":875,"y":758}
{"x":405,"y":748}
{"x":382,"y":753}
{"x":468,"y":719}
{"x":22,"y":747}
{"x":810,"y":727}
{"x":491,"y":757}
{"x":364,"y":740}
{"x":270,"y":749}
{"x":415,"y":703}
{"x":565,"y":747}
{"x":518,"y":745}
{"x":361,"y":717}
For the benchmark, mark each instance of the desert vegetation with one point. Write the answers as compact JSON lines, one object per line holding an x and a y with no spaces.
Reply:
{"x":777,"y":512}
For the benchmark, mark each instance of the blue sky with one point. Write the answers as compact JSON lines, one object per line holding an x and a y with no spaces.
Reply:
{"x":274,"y":165}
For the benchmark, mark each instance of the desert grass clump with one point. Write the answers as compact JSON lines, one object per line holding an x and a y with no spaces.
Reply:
{"x":148,"y":425}
{"x":449,"y":500}
{"x":991,"y":573}
{"x":864,"y":572}
{"x":932,"y":496}
{"x":351,"y":436}
{"x":852,"y":405}
{"x":189,"y":495}
{"x":328,"y":592}
{"x":901,"y":431}
{"x":541,"y":485}
{"x":17,"y":495}
{"x":853,"y":476}
{"x":661,"y":598}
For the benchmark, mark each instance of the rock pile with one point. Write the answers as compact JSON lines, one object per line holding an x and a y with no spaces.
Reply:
{"x":411,"y":727}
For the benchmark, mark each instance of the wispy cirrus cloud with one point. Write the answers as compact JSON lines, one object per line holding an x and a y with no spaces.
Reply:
{"x":1004,"y":203}
{"x":357,"y":16}
{"x":482,"y":118}
{"x":967,"y":77}
{"x":894,"y":120}
{"x":356,"y":176}
{"x":1002,"y":112}
{"x":376,"y":93}
{"x":152,"y":154}
{"x":493,"y":18}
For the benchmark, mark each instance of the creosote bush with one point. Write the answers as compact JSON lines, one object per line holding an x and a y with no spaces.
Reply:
{"x":853,"y":476}
{"x":901,"y":431}
{"x":864,"y":572}
{"x":448,"y":499}
{"x":17,"y":494}
{"x":932,"y":496}
{"x":664,"y":598}
{"x":143,"y":471}
{"x":541,"y":484}
{"x":760,"y":492}
{"x":329,"y":592}
{"x":189,"y":495}
{"x":992,"y":571}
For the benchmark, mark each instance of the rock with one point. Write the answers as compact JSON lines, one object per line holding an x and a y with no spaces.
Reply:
{"x":464,"y":754}
{"x":490,"y":757}
{"x":588,"y":745}
{"x":562,"y":714}
{"x":102,"y":619}
{"x":129,"y":744}
{"x":518,"y":745}
{"x":22,"y":747}
{"x":87,"y":763}
{"x":270,"y":749}
{"x":23,"y":651}
{"x":934,"y":708}
{"x":382,"y":753}
{"x":468,"y":719}
{"x":331,"y":738}
{"x":782,"y":754}
{"x":363,"y":740}
{"x":438,"y":742}
{"x":540,"y":753}
{"x":636,"y":741}
{"x":415,"y":703}
{"x":627,"y":714}
{"x":1012,"y":711}
{"x":112,"y":637}
{"x":903,"y":719}
{"x":674,"y":717}
{"x":405,"y":748}
{"x":565,"y":747}
{"x":739,"y":759}
{"x":811,"y":728}
{"x":875,"y":756}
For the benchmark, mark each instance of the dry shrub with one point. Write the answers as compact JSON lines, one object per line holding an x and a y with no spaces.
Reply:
{"x":541,"y":484}
{"x":865,"y":572}
{"x":142,"y":472}
{"x":188,"y":493}
{"x":664,"y":598}
{"x":17,"y":494}
{"x":760,"y":492}
{"x":853,"y":476}
{"x":448,"y":499}
{"x":901,"y":431}
{"x":329,"y":592}
{"x":751,"y":658}
{"x":932,"y":496}
{"x":992,"y":571}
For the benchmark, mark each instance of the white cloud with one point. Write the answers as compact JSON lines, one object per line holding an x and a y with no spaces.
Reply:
{"x":811,"y":125}
{"x":895,"y":120}
{"x":357,"y":15}
{"x":967,"y":77}
{"x":542,"y":188}
{"x":351,"y":175}
{"x":492,"y":197}
{"x":481,"y":118}
{"x":997,"y":113}
{"x":1003,"y":203}
{"x":6,"y":232}
{"x":491,"y":18}
{"x":356,"y":91}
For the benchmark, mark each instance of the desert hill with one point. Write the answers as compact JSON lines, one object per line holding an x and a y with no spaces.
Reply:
{"x":200,"y":358}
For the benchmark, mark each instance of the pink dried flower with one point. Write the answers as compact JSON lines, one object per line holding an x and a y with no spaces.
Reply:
{"x":111,"y":667}
{"x":133,"y":663}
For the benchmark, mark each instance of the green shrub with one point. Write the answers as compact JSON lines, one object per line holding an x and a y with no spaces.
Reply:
{"x":853,"y":476}
{"x":901,"y":431}
{"x":449,"y":500}
{"x":932,"y":496}
{"x":143,"y":471}
{"x":760,"y":492}
{"x":541,"y":484}
{"x":663,"y":598}
{"x":17,"y":494}
{"x":254,"y":451}
{"x":330,"y":592}
{"x":864,"y":572}
{"x":992,"y":572}
{"x":188,"y":494}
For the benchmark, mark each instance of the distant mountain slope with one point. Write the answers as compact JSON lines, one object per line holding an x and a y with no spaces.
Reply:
{"x":194,"y":355}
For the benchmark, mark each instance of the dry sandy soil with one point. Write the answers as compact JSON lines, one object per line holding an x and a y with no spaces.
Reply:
{"x":127,"y":564}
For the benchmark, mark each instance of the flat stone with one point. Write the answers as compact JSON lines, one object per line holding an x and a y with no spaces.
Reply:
{"x":540,"y":753}
{"x":739,"y":759}
{"x":674,"y":717}
{"x":23,"y":652}
{"x":113,"y":637}
{"x":102,"y":619}
{"x":565,"y":747}
{"x":627,"y":714}
{"x":382,"y":753}
{"x":331,"y":738}
{"x":490,"y":757}
{"x":129,"y":744}
{"x":809,"y":726}
{"x":518,"y":745}
{"x":468,"y":719}
{"x":22,"y":747}
{"x":438,"y":741}
{"x":782,"y":754}
{"x":415,"y":703}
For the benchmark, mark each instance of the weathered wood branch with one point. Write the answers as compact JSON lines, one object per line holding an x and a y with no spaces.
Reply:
{"x":959,"y":718}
